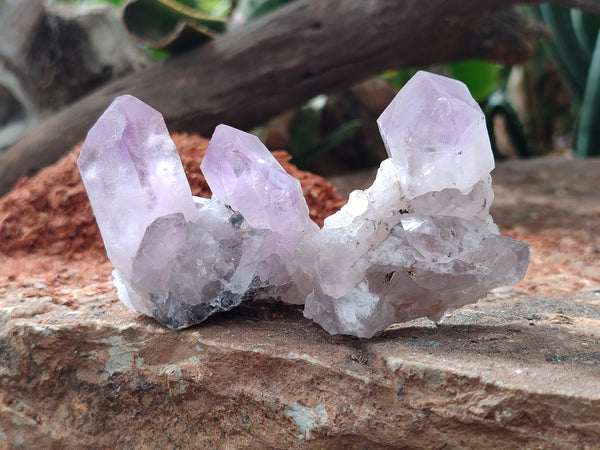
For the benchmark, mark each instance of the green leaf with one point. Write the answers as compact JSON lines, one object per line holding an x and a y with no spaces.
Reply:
{"x":253,"y":9}
{"x":169,"y":24}
{"x":571,"y":57}
{"x":586,"y":28}
{"x":481,"y":77}
{"x":498,"y":105}
{"x":215,"y":8}
{"x":588,"y":132}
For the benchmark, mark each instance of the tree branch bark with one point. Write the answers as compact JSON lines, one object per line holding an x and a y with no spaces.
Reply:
{"x":306,"y":48}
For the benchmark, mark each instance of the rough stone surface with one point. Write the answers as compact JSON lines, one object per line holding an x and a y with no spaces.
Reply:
{"x":518,"y":369}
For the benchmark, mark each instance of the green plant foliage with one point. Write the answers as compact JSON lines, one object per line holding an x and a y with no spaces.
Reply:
{"x":481,"y":77}
{"x":588,"y":133}
{"x":498,"y":105}
{"x":169,"y":24}
{"x":576,"y":50}
{"x":586,"y":28}
{"x":305,"y":140}
{"x":253,"y":9}
{"x":565,"y":47}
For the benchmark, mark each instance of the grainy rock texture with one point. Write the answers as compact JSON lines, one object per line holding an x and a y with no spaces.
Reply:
{"x":519,"y":369}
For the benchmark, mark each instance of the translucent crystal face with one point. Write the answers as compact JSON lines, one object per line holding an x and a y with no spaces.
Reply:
{"x":436,"y":134}
{"x":243,"y":174}
{"x":132,"y":174}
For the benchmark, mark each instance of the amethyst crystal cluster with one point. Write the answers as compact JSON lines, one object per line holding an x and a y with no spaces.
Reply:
{"x":420,"y":240}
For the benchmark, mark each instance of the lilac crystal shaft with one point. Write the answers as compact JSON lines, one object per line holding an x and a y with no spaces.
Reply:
{"x":243,"y":174}
{"x":132,"y":174}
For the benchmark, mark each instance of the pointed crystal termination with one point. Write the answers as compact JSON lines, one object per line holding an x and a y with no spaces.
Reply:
{"x":243,"y":174}
{"x":436,"y":133}
{"x":132,"y":174}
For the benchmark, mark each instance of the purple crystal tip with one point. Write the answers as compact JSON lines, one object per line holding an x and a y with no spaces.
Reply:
{"x":435,"y":132}
{"x":243,"y":174}
{"x":132,"y":174}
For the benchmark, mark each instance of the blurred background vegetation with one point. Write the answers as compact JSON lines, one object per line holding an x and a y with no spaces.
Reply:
{"x":552,"y":104}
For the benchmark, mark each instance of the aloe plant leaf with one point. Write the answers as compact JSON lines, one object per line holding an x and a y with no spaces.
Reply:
{"x":586,"y":28}
{"x":216,"y":8}
{"x":588,"y":132}
{"x":569,"y":55}
{"x":169,"y":24}
{"x":481,"y":77}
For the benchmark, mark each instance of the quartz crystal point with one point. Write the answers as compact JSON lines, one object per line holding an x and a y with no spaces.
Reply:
{"x":420,"y":240}
{"x":242,"y":173}
{"x":436,"y":133}
{"x":132,"y":174}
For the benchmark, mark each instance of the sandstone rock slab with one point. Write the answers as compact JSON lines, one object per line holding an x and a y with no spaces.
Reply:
{"x":520,"y":368}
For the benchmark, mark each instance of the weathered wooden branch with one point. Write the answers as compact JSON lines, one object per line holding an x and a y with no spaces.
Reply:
{"x":306,"y":48}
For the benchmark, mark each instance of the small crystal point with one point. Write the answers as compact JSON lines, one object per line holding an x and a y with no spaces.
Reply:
{"x":132,"y":174}
{"x":436,"y":133}
{"x":243,"y":174}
